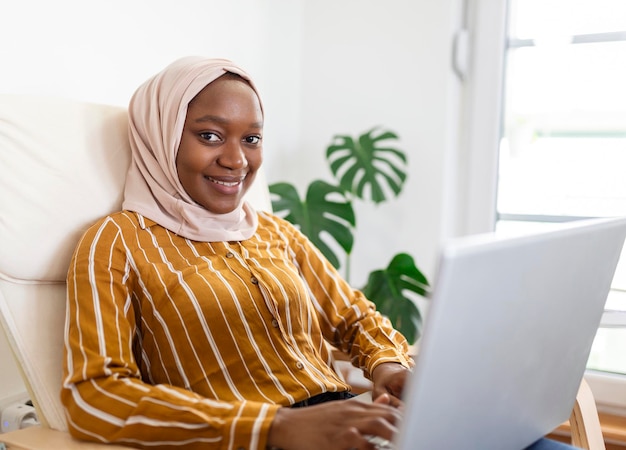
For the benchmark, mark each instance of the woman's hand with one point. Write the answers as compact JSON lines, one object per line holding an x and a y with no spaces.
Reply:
{"x":336,"y":425}
{"x":389,"y":378}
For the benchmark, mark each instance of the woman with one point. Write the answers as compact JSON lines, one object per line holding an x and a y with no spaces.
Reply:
{"x":196,"y":322}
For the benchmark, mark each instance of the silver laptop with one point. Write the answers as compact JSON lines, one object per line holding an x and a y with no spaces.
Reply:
{"x":507,"y":336}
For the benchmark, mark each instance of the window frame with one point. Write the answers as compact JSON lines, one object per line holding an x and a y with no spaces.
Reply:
{"x":481,"y":119}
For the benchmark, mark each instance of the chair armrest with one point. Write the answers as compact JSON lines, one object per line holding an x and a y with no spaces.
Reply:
{"x":42,"y":438}
{"x":585,"y":422}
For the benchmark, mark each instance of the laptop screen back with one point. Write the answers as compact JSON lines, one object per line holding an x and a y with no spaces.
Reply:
{"x":508,"y":335}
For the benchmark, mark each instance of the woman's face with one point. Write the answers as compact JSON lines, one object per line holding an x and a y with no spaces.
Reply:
{"x":221,"y":149}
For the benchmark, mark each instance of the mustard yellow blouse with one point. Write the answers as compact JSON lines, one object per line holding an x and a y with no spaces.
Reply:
{"x":173,"y":342}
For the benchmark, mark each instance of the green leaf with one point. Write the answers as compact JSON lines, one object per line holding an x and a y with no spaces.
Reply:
{"x":387,"y":288}
{"x":362,"y":164}
{"x":324,"y":211}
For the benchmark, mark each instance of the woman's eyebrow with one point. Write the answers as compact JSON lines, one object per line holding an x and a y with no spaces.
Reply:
{"x":222,"y":120}
{"x":211,"y":118}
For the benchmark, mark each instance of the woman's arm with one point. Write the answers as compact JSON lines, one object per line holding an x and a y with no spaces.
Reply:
{"x":348,"y":320}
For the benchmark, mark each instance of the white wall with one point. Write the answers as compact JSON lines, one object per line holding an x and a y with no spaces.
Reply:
{"x":101,"y":50}
{"x":368,"y":63}
{"x":323,"y":67}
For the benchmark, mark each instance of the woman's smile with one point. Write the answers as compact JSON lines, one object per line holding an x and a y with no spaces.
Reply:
{"x":222,"y":136}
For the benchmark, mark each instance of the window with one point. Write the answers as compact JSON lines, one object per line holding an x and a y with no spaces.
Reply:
{"x":562,"y":152}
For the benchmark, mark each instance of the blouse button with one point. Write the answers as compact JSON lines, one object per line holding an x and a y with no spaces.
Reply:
{"x":299,"y":365}
{"x":254,"y":280}
{"x":275,"y":323}
{"x":229,"y":255}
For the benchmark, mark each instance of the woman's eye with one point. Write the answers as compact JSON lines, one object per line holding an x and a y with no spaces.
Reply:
{"x":211,"y":137}
{"x":253,"y":140}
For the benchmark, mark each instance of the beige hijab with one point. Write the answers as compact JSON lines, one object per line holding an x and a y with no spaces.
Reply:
{"x":157,"y":115}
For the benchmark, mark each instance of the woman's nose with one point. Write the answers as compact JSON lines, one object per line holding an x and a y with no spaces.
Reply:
{"x":233,"y":156}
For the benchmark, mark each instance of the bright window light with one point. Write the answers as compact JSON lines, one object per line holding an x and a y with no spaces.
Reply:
{"x":563,"y":145}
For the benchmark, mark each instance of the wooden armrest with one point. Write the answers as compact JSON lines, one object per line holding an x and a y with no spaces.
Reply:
{"x":585,"y":422}
{"x":42,"y":438}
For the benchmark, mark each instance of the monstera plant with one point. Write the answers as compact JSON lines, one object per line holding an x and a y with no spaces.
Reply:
{"x":366,"y":168}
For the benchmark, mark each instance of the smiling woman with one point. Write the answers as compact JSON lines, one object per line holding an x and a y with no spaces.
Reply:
{"x":154,"y":186}
{"x":196,"y":321}
{"x":220,"y":148}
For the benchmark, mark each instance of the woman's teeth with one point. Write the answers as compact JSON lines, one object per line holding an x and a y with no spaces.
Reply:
{"x":224,"y":183}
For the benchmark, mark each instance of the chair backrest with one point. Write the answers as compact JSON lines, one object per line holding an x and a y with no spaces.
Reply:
{"x":62,"y":166}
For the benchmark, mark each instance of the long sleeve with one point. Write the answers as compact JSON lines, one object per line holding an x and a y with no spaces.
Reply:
{"x":178,"y":343}
{"x":103,"y":391}
{"x":347,"y":319}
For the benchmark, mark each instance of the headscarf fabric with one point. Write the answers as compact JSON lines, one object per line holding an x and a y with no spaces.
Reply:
{"x":157,"y":114}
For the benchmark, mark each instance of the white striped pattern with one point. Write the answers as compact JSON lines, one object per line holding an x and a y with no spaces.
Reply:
{"x":178,"y":343}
